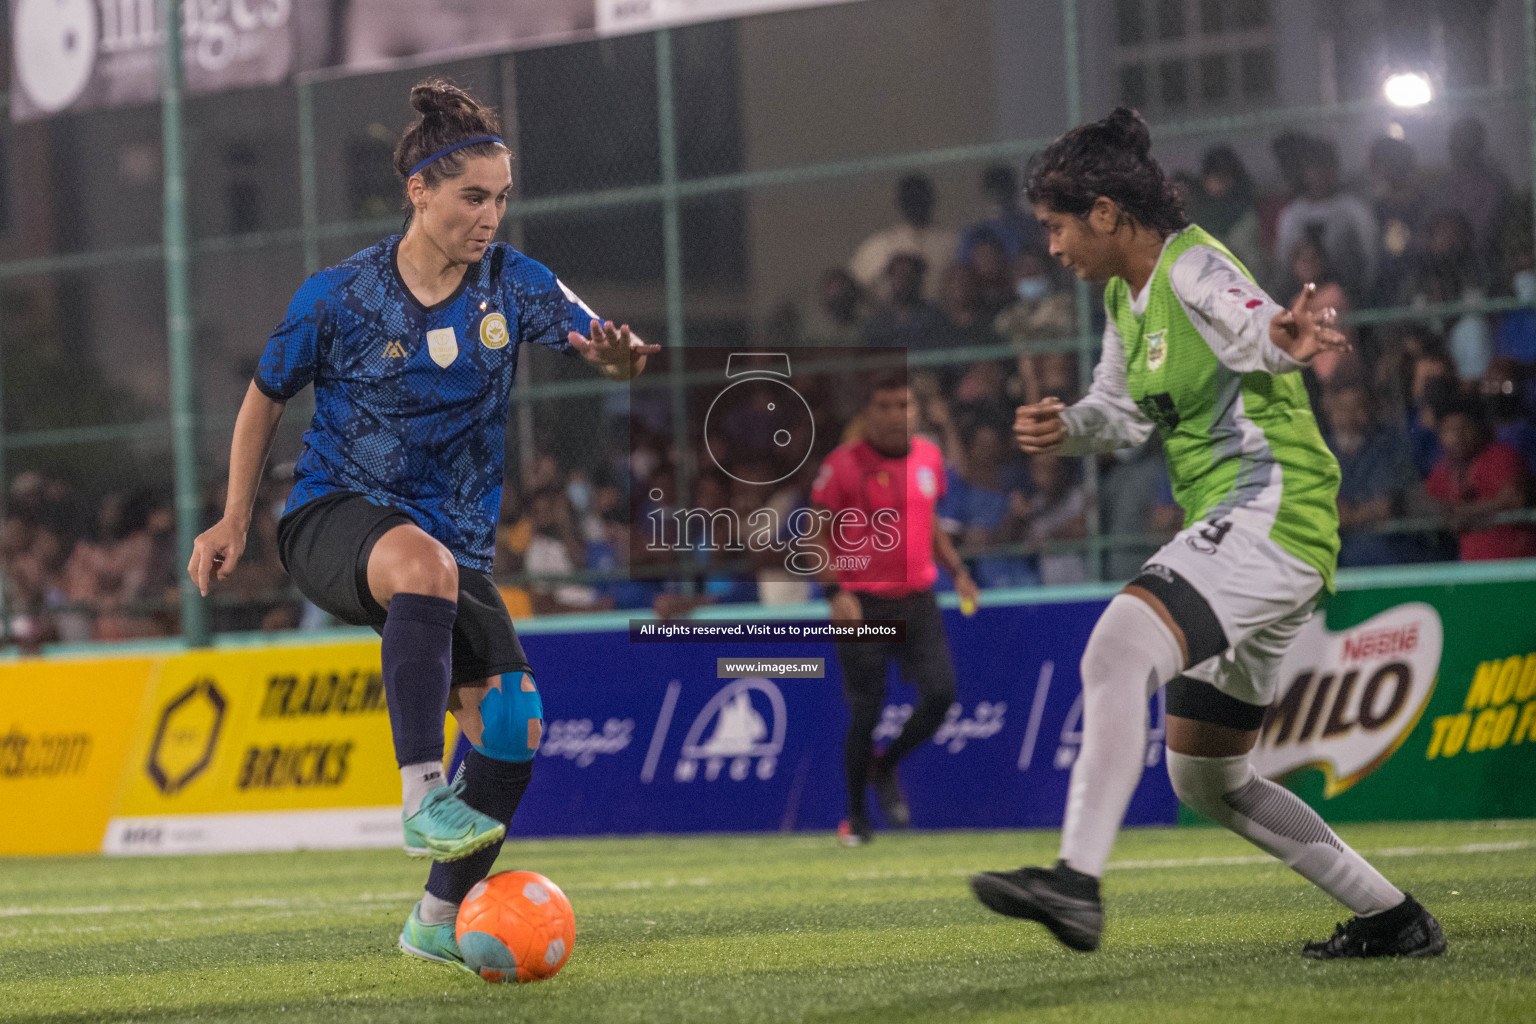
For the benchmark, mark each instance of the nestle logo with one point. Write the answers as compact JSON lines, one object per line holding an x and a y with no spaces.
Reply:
{"x":1382,"y":643}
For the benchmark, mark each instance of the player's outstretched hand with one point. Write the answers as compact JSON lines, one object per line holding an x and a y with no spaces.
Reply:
{"x":1038,"y":427}
{"x":619,"y":354}
{"x":215,"y":553}
{"x":1302,"y":332}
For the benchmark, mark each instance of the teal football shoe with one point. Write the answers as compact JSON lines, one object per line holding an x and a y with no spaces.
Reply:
{"x":444,"y":827}
{"x":435,"y":942}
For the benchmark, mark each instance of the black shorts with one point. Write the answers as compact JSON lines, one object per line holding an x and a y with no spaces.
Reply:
{"x":1191,"y":698}
{"x":325,"y":544}
{"x":923,"y":656}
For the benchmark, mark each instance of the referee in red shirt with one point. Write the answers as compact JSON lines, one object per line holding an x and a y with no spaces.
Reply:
{"x":880,"y":491}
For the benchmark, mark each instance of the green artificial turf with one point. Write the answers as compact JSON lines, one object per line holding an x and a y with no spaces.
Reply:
{"x":774,"y":928}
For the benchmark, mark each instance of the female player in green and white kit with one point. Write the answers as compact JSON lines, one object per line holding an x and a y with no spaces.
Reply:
{"x":1194,"y":349}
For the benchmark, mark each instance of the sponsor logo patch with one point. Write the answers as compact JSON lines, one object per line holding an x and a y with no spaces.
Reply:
{"x":493,"y":331}
{"x":1157,"y":350}
{"x":443,"y":346}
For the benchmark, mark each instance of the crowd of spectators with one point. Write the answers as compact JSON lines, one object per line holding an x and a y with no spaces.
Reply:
{"x":1430,"y":413}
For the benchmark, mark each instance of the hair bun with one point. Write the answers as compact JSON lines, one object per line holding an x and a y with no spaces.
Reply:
{"x":1125,"y":128}
{"x":438,"y":98}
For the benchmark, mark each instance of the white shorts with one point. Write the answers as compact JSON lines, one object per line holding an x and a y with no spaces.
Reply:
{"x":1257,"y":596}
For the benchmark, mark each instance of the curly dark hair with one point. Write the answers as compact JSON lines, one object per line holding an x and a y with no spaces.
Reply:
{"x":448,"y":115}
{"x":1110,"y":158}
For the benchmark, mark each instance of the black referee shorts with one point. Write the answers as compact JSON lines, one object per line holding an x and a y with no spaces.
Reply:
{"x":325,"y":544}
{"x":923,"y":657}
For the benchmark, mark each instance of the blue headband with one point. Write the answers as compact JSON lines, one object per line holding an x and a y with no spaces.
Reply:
{"x":457,"y":145}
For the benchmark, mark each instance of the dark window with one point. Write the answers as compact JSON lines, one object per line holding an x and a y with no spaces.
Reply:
{"x":706,"y":81}
{"x":1214,"y":83}
{"x":590,"y":123}
{"x":1172,"y":82}
{"x":1212,"y":16}
{"x":589,"y":118}
{"x":1466,"y":43}
{"x":1258,"y":73}
{"x":373,"y":190}
{"x":1248,"y":14}
{"x":621,"y":243}
{"x":242,"y":193}
{"x":1133,"y":85}
{"x":5,"y":186}
{"x":1170,"y":19}
{"x":1130,"y":29}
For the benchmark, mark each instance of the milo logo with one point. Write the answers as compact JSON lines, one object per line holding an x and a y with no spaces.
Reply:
{"x":1349,"y":699}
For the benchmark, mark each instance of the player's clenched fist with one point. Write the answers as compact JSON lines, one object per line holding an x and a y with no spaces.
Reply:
{"x":1038,"y":427}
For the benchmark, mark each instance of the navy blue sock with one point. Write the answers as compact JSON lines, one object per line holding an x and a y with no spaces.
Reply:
{"x":491,"y":787}
{"x":418,"y":666}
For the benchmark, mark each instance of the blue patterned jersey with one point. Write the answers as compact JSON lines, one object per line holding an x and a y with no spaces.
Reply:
{"x":411,"y":401}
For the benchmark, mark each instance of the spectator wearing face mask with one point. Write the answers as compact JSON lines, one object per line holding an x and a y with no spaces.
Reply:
{"x":1042,"y":309}
{"x":916,"y":235}
{"x":1476,"y":479}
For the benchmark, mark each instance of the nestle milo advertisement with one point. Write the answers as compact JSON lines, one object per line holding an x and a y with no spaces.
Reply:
{"x":1411,"y":702}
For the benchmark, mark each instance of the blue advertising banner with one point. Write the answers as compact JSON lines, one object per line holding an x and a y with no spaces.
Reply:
{"x":667,"y":746}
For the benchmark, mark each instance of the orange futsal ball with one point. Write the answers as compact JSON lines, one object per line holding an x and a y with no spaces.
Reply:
{"x":516,"y":926}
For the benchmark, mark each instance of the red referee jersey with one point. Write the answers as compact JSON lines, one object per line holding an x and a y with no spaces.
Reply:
{"x":883,"y":511}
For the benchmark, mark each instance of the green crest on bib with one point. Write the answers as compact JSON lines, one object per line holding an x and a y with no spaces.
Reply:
{"x":1157,"y":349}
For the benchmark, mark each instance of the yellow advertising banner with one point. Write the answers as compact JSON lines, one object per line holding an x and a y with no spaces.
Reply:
{"x":68,"y":727}
{"x":270,"y":748}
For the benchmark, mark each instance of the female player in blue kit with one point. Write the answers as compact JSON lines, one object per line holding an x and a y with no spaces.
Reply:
{"x":411,"y":346}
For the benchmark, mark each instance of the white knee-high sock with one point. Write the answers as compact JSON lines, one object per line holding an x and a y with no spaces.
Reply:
{"x":1229,"y":792}
{"x":1130,"y":653}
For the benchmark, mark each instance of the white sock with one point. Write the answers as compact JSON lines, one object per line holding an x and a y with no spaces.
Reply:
{"x":434,"y":910}
{"x":417,"y":780}
{"x":1229,"y":792}
{"x":1130,"y":653}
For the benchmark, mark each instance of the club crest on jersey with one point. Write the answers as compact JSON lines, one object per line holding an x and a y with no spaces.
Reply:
{"x":927,"y":482}
{"x":493,"y":331}
{"x":1157,"y":349}
{"x":442,"y":346}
